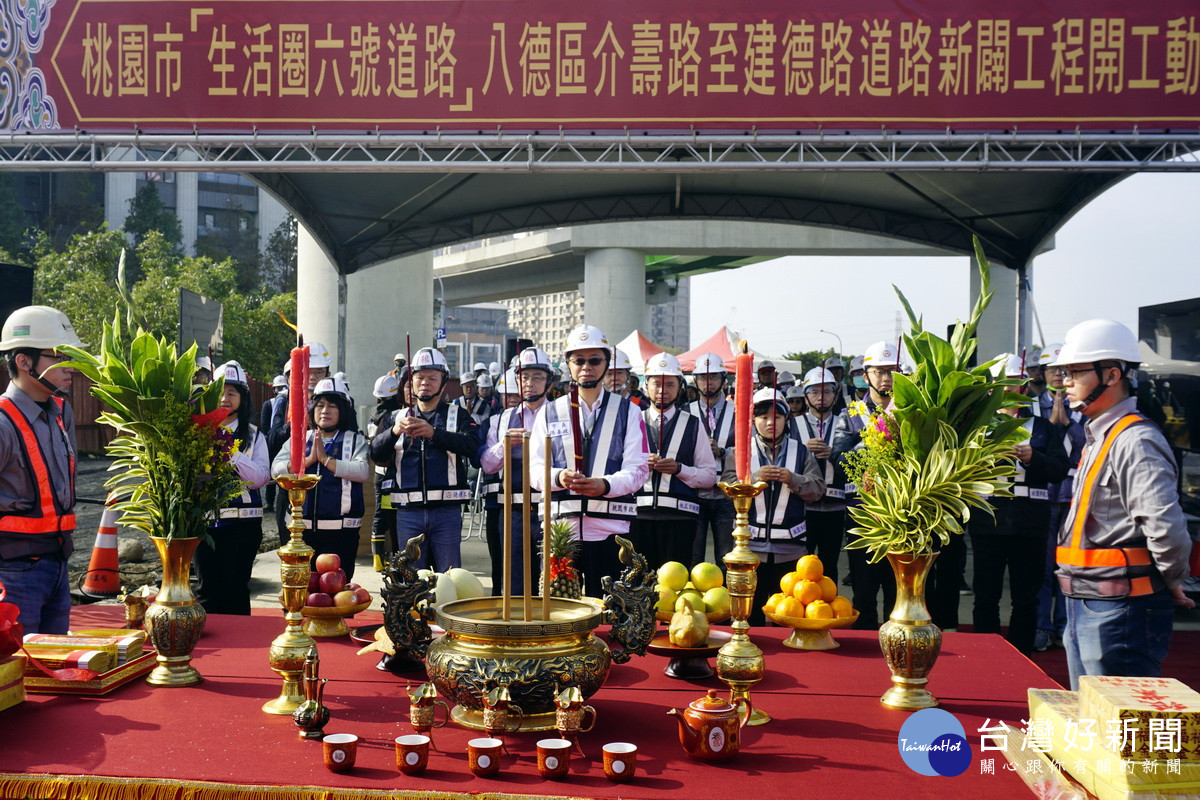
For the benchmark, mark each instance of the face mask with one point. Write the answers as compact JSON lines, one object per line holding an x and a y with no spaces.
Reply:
{"x":860,"y":382}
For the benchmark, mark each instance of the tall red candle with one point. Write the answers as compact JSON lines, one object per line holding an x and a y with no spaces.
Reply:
{"x":298,"y":407}
{"x":743,"y":415}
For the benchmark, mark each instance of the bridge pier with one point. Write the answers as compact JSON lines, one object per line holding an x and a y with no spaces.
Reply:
{"x":614,"y":290}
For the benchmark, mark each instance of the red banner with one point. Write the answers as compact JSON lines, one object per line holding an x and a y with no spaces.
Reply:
{"x":479,"y":65}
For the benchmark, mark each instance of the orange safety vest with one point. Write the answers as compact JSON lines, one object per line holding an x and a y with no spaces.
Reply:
{"x":45,"y":517}
{"x":1112,"y":565}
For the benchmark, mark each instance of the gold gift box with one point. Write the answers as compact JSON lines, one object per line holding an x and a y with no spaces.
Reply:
{"x":124,"y":645}
{"x":41,"y":683}
{"x":1135,"y":702}
{"x":56,"y":657}
{"x":12,"y":681}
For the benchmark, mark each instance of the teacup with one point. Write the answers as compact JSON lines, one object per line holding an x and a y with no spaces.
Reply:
{"x":483,"y":756}
{"x":339,"y":751}
{"x":620,"y":761}
{"x":412,"y":753}
{"x":553,"y":758}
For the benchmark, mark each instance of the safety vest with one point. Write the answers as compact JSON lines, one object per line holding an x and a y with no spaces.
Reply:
{"x":836,"y":488}
{"x":334,"y":503}
{"x":777,"y":512}
{"x":429,"y":475}
{"x":680,"y":433}
{"x":248,"y":505}
{"x":45,"y":518}
{"x":722,"y":431}
{"x":493,"y":482}
{"x":1103,"y":571}
{"x":603,"y":454}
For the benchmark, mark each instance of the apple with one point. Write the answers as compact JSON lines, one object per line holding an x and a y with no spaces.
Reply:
{"x":673,"y":575}
{"x":717,"y":600}
{"x":707,"y":576}
{"x":319,"y":600}
{"x":333,"y":582}
{"x":314,"y":582}
{"x":344,"y":598}
{"x":361,"y":595}
{"x":328,"y":562}
{"x":351,"y":586}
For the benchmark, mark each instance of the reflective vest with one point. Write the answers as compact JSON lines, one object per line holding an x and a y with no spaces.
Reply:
{"x":680,"y":433}
{"x":778,"y":513}
{"x":722,"y":431}
{"x":249,"y":504}
{"x":603,"y":454}
{"x":493,"y":482}
{"x":427,"y":474}
{"x":45,"y":518}
{"x":1039,"y":431}
{"x":836,"y":488}
{"x":1103,"y":571}
{"x":334,"y":503}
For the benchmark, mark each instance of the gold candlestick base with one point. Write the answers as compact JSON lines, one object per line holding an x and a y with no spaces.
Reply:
{"x":287,"y":652}
{"x":739,"y":661}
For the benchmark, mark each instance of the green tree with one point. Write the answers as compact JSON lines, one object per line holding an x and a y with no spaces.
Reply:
{"x":255,"y":335}
{"x":235,"y":236}
{"x":80,"y":279}
{"x":813,"y":358}
{"x":13,"y":221}
{"x":279,"y":258}
{"x":147,"y":213}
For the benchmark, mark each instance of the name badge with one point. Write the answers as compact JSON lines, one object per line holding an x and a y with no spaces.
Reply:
{"x":622,"y":508}
{"x":456,"y":494}
{"x":689,"y":507}
{"x":558,"y":429}
{"x":831,"y":492}
{"x":799,"y":529}
{"x":1039,"y":494}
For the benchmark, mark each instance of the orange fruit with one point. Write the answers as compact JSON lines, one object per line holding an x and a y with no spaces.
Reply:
{"x":773,"y":602}
{"x":809,"y":568}
{"x":790,"y":607}
{"x":818,"y":610}
{"x":788,"y":582}
{"x":841,"y":607}
{"x":828,"y":589}
{"x":807,"y":591}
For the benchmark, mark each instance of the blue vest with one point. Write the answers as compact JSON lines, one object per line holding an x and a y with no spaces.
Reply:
{"x":1041,"y":435}
{"x":428,"y":475}
{"x":338,"y":502}
{"x":777,"y":509}
{"x":680,"y":434}
{"x":603,"y":454}
{"x":837,"y":490}
{"x":493,"y":482}
{"x":247,"y":505}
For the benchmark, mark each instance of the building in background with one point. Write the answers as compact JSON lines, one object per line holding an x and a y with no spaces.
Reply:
{"x":476,"y":333}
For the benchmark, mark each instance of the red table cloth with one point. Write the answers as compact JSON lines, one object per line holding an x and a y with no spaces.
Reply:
{"x":829,"y":736}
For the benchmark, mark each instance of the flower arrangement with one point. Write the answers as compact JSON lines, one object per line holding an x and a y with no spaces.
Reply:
{"x":172,"y":465}
{"x":940,"y":449}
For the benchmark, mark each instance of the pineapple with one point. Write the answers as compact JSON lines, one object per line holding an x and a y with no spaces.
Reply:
{"x":565,"y":580}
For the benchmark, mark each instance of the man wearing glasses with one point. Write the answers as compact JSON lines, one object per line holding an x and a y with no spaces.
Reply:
{"x":1123,"y":548}
{"x":597,"y":489}
{"x":37,"y":468}
{"x":826,"y":516}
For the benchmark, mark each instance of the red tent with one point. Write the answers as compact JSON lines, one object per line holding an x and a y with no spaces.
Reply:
{"x":638,"y":348}
{"x":720,"y":343}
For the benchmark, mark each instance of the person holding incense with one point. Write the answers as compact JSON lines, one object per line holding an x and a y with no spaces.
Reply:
{"x":827,"y":515}
{"x":681,"y":463}
{"x":431,"y":443}
{"x":778,"y":526}
{"x":598,"y":456}
{"x":716,"y":415}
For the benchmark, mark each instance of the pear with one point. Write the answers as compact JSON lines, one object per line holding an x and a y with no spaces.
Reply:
{"x":688,"y":627}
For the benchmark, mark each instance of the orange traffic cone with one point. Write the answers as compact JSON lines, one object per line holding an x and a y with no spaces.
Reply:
{"x":103,"y":578}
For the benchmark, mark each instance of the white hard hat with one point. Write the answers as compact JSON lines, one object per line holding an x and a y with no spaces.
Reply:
{"x":466,"y":377}
{"x":37,"y":327}
{"x":331,"y":386}
{"x":586,"y":337}
{"x":621,"y":360}
{"x":484,"y":382}
{"x":1098,"y":340}
{"x":399,"y":357}
{"x":795,"y":393}
{"x":817,"y":376}
{"x":429,"y":358}
{"x":534,"y":358}
{"x":479,"y":367}
{"x":494,"y":369}
{"x":386,"y":386}
{"x":881,"y":354}
{"x":784,"y":378}
{"x":318,"y":356}
{"x":508,"y":383}
{"x":856,"y":364}
{"x":233,"y":373}
{"x":767,"y":394}
{"x":765,"y":365}
{"x":1032,"y":357}
{"x":204,"y":362}
{"x":709,"y":364}
{"x":834,"y":361}
{"x":279,"y":382}
{"x":1008,"y":365}
{"x":663,"y":364}
{"x":1049,"y":354}
{"x":287,"y":366}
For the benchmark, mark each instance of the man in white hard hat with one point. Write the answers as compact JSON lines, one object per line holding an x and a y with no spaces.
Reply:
{"x":766,"y":375}
{"x":37,"y":453}
{"x":857,"y":388}
{"x":431,"y":443}
{"x":470,"y":392}
{"x":784,"y":381}
{"x":681,"y":464}
{"x":388,"y":400}
{"x":1123,"y":549}
{"x":838,"y":367}
{"x":827,"y":515}
{"x":485,"y":398}
{"x":524,"y":389}
{"x":618,"y":378}
{"x":715,"y":413}
{"x":594,"y":482}
{"x":204,"y":370}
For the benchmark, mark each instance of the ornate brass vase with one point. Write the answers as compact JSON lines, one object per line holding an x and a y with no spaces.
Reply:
{"x":909,"y":640}
{"x":175,"y":620}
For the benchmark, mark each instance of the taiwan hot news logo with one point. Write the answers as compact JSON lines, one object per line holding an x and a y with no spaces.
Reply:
{"x":932,"y":742}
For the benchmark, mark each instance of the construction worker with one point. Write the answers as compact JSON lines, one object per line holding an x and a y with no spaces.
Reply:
{"x":826,"y":515}
{"x":484,"y":393}
{"x":857,"y":388}
{"x":276,"y":404}
{"x":225,"y":559}
{"x":681,"y":463}
{"x":1123,"y":549}
{"x":388,"y":399}
{"x":399,"y":362}
{"x":495,"y":403}
{"x":593,"y":483}
{"x":795,"y":400}
{"x":778,"y":518}
{"x":431,"y":443}
{"x":37,"y":468}
{"x":527,"y":392}
{"x":784,"y":381}
{"x":618,"y":379}
{"x":337,"y":452}
{"x":715,"y":412}
{"x":467,"y":383}
{"x":766,"y":375}
{"x":204,"y":370}
{"x":838,"y":367}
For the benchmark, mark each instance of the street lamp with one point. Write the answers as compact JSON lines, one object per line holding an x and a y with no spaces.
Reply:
{"x":834,"y":335}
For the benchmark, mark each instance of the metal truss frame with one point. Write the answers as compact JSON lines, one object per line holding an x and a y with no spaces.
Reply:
{"x":547,"y":153}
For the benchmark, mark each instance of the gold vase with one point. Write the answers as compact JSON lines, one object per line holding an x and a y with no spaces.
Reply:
{"x":175,"y":620}
{"x":909,"y":639}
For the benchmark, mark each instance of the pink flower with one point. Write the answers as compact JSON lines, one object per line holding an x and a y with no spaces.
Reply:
{"x":881,"y":425}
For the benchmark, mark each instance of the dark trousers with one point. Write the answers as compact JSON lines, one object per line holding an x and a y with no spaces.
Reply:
{"x":495,"y":544}
{"x":383,"y":526}
{"x":866,"y":582}
{"x":768,"y":575}
{"x":716,"y":516}
{"x":942,"y":586}
{"x":663,"y":540}
{"x":343,"y":543}
{"x":223,"y":568}
{"x":1023,"y":557}
{"x":595,"y":560}
{"x":826,"y":529}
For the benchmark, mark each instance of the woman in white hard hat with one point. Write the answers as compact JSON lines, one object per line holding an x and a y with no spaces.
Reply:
{"x":224,"y":563}
{"x":335,"y":451}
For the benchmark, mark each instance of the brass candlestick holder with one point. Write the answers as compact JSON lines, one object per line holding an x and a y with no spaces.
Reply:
{"x":739,"y":661}
{"x":290,"y":647}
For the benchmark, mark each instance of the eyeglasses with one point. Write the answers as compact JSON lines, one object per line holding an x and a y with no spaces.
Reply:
{"x":594,"y":361}
{"x":1065,"y":373}
{"x":880,"y":370}
{"x":57,"y":358}
{"x":820,"y":390}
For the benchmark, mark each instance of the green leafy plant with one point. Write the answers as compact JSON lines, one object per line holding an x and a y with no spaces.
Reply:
{"x":172,"y":466}
{"x":941,"y":448}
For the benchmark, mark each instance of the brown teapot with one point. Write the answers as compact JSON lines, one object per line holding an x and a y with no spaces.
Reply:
{"x":709,"y":728}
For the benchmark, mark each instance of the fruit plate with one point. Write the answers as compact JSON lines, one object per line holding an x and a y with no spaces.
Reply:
{"x":689,"y":663}
{"x":328,"y":621}
{"x":713,"y":617}
{"x":811,"y":634}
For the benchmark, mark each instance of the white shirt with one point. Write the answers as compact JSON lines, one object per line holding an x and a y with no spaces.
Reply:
{"x":703,"y":471}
